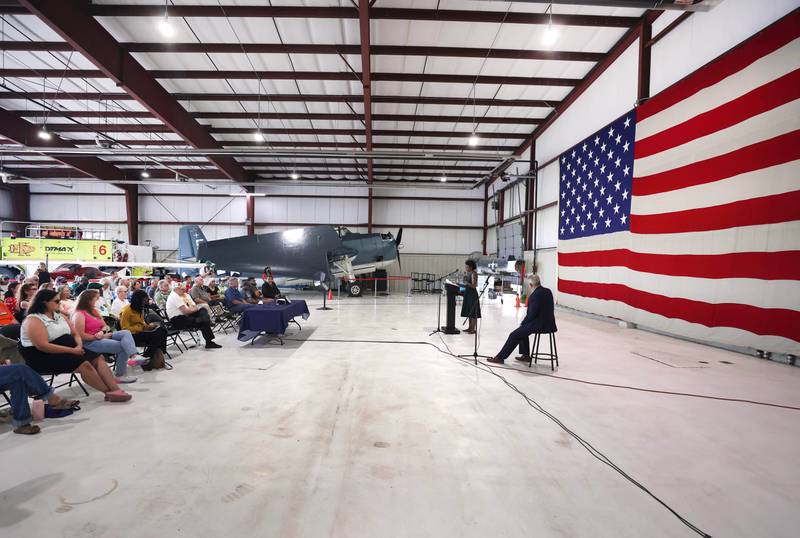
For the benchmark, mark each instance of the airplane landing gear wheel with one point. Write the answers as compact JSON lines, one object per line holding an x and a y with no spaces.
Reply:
{"x":354,"y":289}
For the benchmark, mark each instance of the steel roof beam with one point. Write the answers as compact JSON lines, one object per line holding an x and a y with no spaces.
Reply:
{"x":23,"y":132}
{"x":310,"y":144}
{"x":93,"y":114}
{"x":278,"y":48}
{"x":208,"y":74}
{"x":90,"y":39}
{"x":291,"y":98}
{"x":303,"y":12}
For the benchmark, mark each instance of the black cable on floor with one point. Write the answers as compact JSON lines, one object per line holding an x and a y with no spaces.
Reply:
{"x":563,"y":378}
{"x":535,"y":405}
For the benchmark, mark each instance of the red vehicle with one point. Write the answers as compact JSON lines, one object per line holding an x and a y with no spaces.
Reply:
{"x":72,"y":270}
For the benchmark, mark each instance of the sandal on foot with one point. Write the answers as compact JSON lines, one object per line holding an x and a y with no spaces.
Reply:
{"x":117,"y":396}
{"x":73,"y":405}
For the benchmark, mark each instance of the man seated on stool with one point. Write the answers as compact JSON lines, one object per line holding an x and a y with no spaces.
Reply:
{"x":539,"y":319}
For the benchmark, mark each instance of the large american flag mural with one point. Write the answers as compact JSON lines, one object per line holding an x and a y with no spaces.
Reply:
{"x":683,"y":215}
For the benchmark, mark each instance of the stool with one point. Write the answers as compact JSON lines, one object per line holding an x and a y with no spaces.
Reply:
{"x":552,"y":356}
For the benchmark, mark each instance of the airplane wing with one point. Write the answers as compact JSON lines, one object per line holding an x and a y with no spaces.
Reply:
{"x":302,"y":253}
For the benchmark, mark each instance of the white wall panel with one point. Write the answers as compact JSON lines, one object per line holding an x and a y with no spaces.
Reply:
{"x":547,"y":184}
{"x":6,"y":211}
{"x":165,"y":236}
{"x":85,"y":207}
{"x":191,"y":208}
{"x":704,"y":36}
{"x":491,"y":241}
{"x":547,"y":228}
{"x":611,"y":95}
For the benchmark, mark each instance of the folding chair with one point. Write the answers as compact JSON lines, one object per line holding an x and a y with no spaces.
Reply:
{"x":173,"y":333}
{"x":73,"y":378}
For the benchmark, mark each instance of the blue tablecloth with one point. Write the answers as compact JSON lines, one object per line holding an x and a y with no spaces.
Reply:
{"x":270,"y":318}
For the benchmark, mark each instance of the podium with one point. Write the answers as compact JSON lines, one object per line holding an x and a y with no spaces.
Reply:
{"x":451,"y":291}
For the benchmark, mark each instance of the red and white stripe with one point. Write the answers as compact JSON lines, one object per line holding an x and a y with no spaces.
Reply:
{"x":713,"y":251}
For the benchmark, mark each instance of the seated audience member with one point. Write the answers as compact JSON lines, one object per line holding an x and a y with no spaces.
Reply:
{"x":213,"y":290}
{"x":234,"y":299}
{"x":24,"y":298}
{"x":47,"y":286}
{"x":106,"y":291}
{"x":10,"y":296}
{"x":200,"y":295}
{"x":9,"y":338}
{"x":98,"y":337}
{"x":135,"y":285}
{"x":184,"y":314}
{"x":152,"y":287}
{"x":250,"y":291}
{"x":83,"y":283}
{"x":67,"y":304}
{"x":540,"y":318}
{"x":23,"y":382}
{"x":43,"y":274}
{"x":120,"y":302}
{"x":269,"y":289}
{"x":161,"y":294}
{"x":150,"y":335}
{"x":50,"y":345}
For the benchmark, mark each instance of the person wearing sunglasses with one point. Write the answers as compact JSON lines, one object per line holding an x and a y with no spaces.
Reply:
{"x":51,"y":345}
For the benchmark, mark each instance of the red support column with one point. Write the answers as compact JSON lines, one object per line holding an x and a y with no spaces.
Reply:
{"x":250,"y":209}
{"x":645,"y":35}
{"x":530,"y":202}
{"x":366,"y":82}
{"x":132,"y":210}
{"x":21,"y":207}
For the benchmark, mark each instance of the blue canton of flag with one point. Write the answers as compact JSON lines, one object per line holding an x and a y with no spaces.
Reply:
{"x":596,"y":179}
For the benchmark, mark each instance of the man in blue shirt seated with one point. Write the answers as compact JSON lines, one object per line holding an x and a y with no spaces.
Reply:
{"x":234,"y":299}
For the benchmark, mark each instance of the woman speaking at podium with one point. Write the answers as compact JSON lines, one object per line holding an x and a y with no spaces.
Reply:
{"x":471,"y":307}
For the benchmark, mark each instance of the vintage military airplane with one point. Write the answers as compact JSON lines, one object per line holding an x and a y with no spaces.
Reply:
{"x":317,"y":253}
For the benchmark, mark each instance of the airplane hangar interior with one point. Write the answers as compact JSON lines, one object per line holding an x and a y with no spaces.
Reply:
{"x":399,"y":268}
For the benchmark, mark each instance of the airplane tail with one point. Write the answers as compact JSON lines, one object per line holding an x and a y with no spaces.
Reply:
{"x":189,"y":241}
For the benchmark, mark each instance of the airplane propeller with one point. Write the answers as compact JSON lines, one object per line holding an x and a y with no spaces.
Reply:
{"x":397,"y":245}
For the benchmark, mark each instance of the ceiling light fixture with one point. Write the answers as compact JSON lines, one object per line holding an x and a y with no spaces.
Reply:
{"x":145,"y":174}
{"x":443,"y":179}
{"x":164,"y":25}
{"x":294,"y":175}
{"x":44,"y":134}
{"x":474,"y":140}
{"x":258,"y":136}
{"x":550,"y":35}
{"x":3,"y":176}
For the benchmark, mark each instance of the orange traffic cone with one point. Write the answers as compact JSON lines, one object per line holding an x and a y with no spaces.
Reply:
{"x":330,"y":295}
{"x":517,"y":305}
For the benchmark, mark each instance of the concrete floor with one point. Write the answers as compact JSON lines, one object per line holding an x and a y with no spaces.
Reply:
{"x":319,"y":439}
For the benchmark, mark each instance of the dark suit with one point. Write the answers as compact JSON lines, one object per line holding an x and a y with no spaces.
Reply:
{"x":540,"y":318}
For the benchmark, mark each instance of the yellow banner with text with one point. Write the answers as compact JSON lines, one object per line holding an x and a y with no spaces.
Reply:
{"x":21,"y":249}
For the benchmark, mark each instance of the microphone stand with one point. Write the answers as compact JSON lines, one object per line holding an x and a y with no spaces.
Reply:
{"x":475,"y":354}
{"x":439,"y":311}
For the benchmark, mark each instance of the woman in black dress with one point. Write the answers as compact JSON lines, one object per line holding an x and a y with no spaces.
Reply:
{"x":471,"y":307}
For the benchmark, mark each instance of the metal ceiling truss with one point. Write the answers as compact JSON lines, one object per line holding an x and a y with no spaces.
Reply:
{"x":74,"y":22}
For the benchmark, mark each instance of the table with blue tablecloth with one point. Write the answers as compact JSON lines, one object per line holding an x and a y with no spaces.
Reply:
{"x":270,"y":318}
